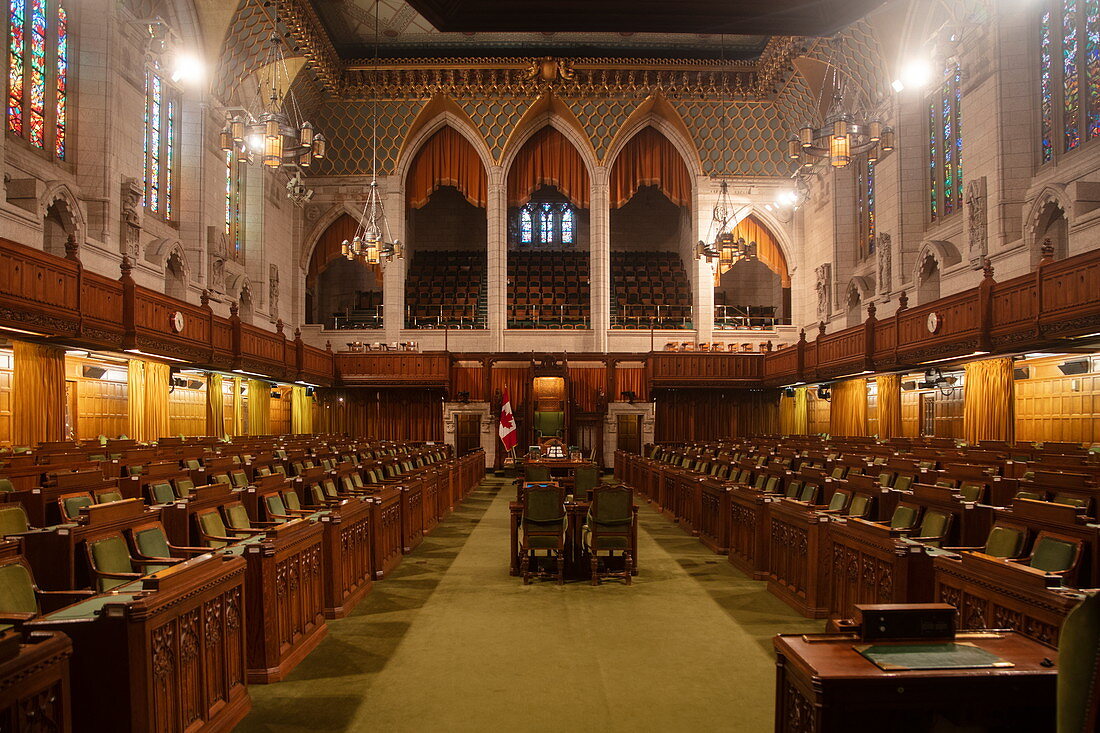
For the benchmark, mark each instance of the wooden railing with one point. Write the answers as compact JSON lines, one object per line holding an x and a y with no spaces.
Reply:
{"x":712,"y":370}
{"x":394,"y":369}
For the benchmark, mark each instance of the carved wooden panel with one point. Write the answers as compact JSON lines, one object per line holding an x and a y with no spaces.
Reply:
{"x":843,"y":348}
{"x":396,"y":369}
{"x":959,"y":328}
{"x":40,"y":291}
{"x":706,"y":369}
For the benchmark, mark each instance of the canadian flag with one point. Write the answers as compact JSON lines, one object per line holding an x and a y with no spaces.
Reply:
{"x":507,"y":431}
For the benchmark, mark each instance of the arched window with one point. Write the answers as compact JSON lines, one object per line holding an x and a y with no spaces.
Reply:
{"x":546,"y":223}
{"x":568,"y":226}
{"x":526,"y":229}
{"x":161,"y":143}
{"x":38,"y":73}
{"x":945,"y":146}
{"x":865,"y":206}
{"x":234,"y":202}
{"x":1069,"y":75}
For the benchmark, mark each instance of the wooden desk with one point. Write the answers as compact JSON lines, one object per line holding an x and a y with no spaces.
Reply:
{"x":576,"y":563}
{"x":347,"y":555}
{"x":34,"y":685}
{"x":823,"y":685}
{"x":165,"y":653}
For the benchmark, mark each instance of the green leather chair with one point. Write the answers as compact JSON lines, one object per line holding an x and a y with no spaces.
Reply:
{"x":71,"y":504}
{"x":860,"y":506}
{"x":609,"y":529}
{"x":1031,"y":495}
{"x":839,"y":500}
{"x":1079,"y":668}
{"x":13,"y":519}
{"x":794,"y":488}
{"x":108,"y":496}
{"x":239,"y":479}
{"x":549,"y":424}
{"x":934,"y":526}
{"x":540,"y":474}
{"x":585,"y":478}
{"x":904,"y":517}
{"x":192,"y":464}
{"x":903,"y":482}
{"x":1069,"y":500}
{"x":149,"y":543}
{"x":6,"y":485}
{"x":212,"y":530}
{"x":184,"y":487}
{"x":542,"y":529}
{"x":111,"y":565}
{"x":1053,"y":554}
{"x":1004,"y":542}
{"x":21,"y":599}
{"x":972,"y":492}
{"x":808,"y":493}
{"x":161,"y":493}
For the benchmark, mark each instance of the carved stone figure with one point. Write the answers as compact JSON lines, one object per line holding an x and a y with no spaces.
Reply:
{"x":217,"y":249}
{"x":130,"y":239}
{"x":823,"y":287}
{"x":883,"y":246}
{"x":977,"y":226}
{"x":273,"y":290}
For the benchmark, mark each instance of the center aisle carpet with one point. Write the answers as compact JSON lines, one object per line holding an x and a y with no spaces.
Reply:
{"x":451,"y":642}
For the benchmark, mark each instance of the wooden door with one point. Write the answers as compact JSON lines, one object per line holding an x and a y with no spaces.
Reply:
{"x":928,"y":414}
{"x":467,"y":432}
{"x":70,"y":410}
{"x":630,"y":433}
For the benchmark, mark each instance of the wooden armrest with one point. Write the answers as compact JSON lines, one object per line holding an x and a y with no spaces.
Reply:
{"x":234,"y":530}
{"x":192,"y":551}
{"x":155,"y":560}
{"x":963,"y":549}
{"x":117,"y":576}
{"x":218,"y":538}
{"x":16,"y":619}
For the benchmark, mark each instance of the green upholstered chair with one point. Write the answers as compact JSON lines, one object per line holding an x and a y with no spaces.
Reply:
{"x":293,"y":503}
{"x":71,"y":504}
{"x":239,"y":479}
{"x":326,"y":464}
{"x":111,"y":565}
{"x":794,"y":488}
{"x":1070,"y":500}
{"x":1053,"y":554}
{"x":280,"y":468}
{"x":161,"y":492}
{"x":221,"y":478}
{"x":281,"y":455}
{"x":970,"y":491}
{"x":6,"y":485}
{"x":1030,"y":495}
{"x":838,"y":472}
{"x":860,"y":506}
{"x":263,"y":471}
{"x":347,"y":484}
{"x":21,"y":599}
{"x":771,"y":484}
{"x":839,"y":500}
{"x":184,"y":487}
{"x":1004,"y":542}
{"x":237,"y":519}
{"x":761,"y":480}
{"x":808,"y":493}
{"x":542,"y":528}
{"x":934,"y":526}
{"x":329,"y":486}
{"x":357,"y":480}
{"x":149,"y":542}
{"x":609,"y":529}
{"x":298,"y":467}
{"x":549,"y":424}
{"x":539,"y":474}
{"x":192,"y":464}
{"x":585,"y":478}
{"x":945,"y":483}
{"x":107,"y":496}
{"x":1079,"y":668}
{"x":904,"y":517}
{"x":886,"y":479}
{"x":13,"y":519}
{"x":903,"y":482}
{"x":212,"y":529}
{"x":309,"y":464}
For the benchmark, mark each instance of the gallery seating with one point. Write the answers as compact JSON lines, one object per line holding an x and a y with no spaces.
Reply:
{"x":548,"y":290}
{"x":446,"y":289}
{"x":649,"y":289}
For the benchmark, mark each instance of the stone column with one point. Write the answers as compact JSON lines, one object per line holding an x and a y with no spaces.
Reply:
{"x":496,"y":212}
{"x":393,"y":273}
{"x":600,"y":258}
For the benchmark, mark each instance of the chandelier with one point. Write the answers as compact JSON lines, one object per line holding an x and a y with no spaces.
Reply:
{"x":723,"y":247}
{"x":371,"y":242}
{"x":844,"y":135}
{"x":273,"y":130}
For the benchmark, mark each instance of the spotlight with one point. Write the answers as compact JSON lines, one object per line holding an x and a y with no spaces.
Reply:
{"x":915,"y":75}
{"x":188,"y":68}
{"x":825,"y":392}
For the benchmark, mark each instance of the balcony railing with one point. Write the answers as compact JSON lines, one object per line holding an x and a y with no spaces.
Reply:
{"x":547,"y":316}
{"x":744,"y":318}
{"x":358,"y":318}
{"x":644,"y":316}
{"x":444,"y":315}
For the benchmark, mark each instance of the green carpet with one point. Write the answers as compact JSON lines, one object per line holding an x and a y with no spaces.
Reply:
{"x":451,"y":642}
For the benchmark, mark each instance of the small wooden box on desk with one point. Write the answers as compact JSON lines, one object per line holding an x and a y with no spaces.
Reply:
{"x":825,"y":685}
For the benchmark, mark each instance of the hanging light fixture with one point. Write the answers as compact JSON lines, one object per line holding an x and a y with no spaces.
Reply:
{"x":722,"y":245}
{"x":844,"y":135}
{"x":271,"y":128}
{"x":371,"y":244}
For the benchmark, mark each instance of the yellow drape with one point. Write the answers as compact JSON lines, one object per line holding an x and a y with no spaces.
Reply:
{"x":259,"y":407}
{"x":447,"y":159}
{"x":649,"y":159}
{"x":768,"y":251}
{"x":988,"y":396}
{"x":794,"y":413}
{"x":889,"y":405}
{"x":301,"y":411}
{"x":158,"y":377}
{"x":848,"y":410}
{"x":238,"y":408}
{"x":37,"y":394}
{"x":548,"y":158}
{"x":215,"y":406}
{"x":135,"y":398}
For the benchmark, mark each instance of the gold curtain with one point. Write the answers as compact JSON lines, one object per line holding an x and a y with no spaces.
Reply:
{"x":301,"y":411}
{"x":848,"y":410}
{"x":158,"y":377}
{"x":446,"y":159}
{"x":889,"y":405}
{"x":767,"y":249}
{"x":794,"y":413}
{"x":215,"y":406}
{"x":650,"y":159}
{"x":37,"y":394}
{"x":135,"y":398}
{"x":988,"y":395}
{"x":548,"y":158}
{"x":259,"y":407}
{"x":238,"y":408}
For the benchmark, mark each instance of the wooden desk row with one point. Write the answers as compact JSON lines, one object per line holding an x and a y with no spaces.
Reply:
{"x":176,"y":649}
{"x":824,"y":565}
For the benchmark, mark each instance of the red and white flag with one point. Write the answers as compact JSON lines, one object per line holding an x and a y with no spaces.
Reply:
{"x":507,"y":431}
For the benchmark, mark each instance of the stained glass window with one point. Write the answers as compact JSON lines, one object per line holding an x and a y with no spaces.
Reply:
{"x":945,"y":148}
{"x":38,"y":73}
{"x":865,"y":206}
{"x":525,"y":225}
{"x":234,"y":201}
{"x":546,"y":224}
{"x":161,"y":108}
{"x":16,"y":11}
{"x":1069,"y":86}
{"x":567,"y":225}
{"x":229,"y":176}
{"x":62,"y":80}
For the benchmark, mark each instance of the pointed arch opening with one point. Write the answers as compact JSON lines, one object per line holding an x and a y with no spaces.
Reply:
{"x":342,"y":293}
{"x":650,"y":234}
{"x":446,"y":232}
{"x":753,"y":294}
{"x":548,"y":235}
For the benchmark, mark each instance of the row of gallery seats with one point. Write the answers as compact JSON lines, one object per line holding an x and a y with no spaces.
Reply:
{"x":649,"y":288}
{"x":1006,"y":534}
{"x":445,"y":289}
{"x":548,"y":290}
{"x":172,"y":576}
{"x":367,"y":312}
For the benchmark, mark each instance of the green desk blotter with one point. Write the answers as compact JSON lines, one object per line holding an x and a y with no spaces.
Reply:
{"x":945,"y":655}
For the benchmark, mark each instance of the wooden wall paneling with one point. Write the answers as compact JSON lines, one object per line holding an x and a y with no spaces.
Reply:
{"x":383,"y":414}
{"x":910,"y":414}
{"x":712,"y":370}
{"x":5,"y":397}
{"x":819,"y":413}
{"x":280,"y":411}
{"x":41,"y":291}
{"x":708,"y":414}
{"x":1051,"y":406}
{"x":101,"y":309}
{"x":102,"y":405}
{"x":414,"y":368}
{"x":187,"y":411}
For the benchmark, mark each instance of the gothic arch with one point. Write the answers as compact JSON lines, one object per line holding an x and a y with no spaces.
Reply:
{"x":65,"y":202}
{"x":944,"y":253}
{"x":321,"y":225}
{"x":657,"y":113}
{"x":1041,"y":215}
{"x":440,"y":112}
{"x":177,"y":273}
{"x":548,"y":110}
